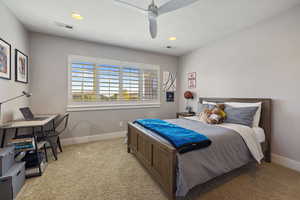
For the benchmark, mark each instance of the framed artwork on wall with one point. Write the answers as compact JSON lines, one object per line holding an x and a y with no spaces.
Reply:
{"x":169,"y":81}
{"x":191,"y":80}
{"x":21,"y":71}
{"x":170,"y":96}
{"x":5,"y":60}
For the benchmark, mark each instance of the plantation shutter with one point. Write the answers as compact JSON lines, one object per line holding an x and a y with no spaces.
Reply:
{"x":113,"y":81}
{"x":150,"y":85}
{"x":83,"y":82}
{"x":131,"y":83}
{"x":108,"y":80}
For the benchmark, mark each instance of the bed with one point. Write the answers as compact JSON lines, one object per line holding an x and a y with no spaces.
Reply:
{"x":177,"y":173}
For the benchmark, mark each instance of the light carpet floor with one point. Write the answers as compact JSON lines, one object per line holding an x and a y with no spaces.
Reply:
{"x":105,"y":171}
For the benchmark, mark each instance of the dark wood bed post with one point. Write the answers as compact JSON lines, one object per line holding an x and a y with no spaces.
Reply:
{"x":160,"y":160}
{"x":128,"y":140}
{"x":266,"y":124}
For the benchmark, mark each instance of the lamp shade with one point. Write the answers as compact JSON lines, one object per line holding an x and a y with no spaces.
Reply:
{"x":188,"y":95}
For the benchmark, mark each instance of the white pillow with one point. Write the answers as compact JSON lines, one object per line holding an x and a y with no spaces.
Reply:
{"x":208,"y":102}
{"x":256,"y":117}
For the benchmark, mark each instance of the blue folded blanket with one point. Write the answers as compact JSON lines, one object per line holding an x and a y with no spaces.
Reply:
{"x":182,"y":139}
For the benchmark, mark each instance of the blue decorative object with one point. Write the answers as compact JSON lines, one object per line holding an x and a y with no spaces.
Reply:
{"x":182,"y":139}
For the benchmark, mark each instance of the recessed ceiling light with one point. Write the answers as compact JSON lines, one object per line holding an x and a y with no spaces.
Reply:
{"x":172,"y":38}
{"x":76,"y":16}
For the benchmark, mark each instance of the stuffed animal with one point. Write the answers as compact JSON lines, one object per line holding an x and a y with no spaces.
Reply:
{"x":213,"y":116}
{"x":204,"y":115}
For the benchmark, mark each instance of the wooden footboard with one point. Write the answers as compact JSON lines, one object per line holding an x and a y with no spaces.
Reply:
{"x":158,"y":158}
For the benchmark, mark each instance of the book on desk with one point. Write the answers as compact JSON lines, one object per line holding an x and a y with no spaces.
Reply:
{"x":23,"y":144}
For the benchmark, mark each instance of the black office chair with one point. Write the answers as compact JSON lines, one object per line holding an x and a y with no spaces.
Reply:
{"x":52,"y":136}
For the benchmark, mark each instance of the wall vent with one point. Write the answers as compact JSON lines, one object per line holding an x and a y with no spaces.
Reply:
{"x":63,"y":25}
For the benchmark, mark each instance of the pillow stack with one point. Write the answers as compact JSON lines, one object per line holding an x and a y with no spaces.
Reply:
{"x":247,"y":114}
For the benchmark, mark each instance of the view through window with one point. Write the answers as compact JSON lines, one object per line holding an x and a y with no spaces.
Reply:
{"x":106,"y":82}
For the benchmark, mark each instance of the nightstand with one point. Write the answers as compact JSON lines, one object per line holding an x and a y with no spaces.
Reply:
{"x":185,"y":114}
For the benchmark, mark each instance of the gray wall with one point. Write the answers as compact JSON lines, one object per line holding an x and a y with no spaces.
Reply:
{"x":263,"y":61}
{"x":13,"y":32}
{"x":49,"y":83}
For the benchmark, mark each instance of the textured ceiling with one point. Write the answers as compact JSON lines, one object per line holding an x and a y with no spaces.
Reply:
{"x":106,"y":22}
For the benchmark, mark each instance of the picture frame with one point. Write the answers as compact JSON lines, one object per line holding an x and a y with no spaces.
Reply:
{"x":169,"y":81}
{"x":5,"y":60}
{"x":21,"y":67}
{"x":192,"y":80}
{"x":170,"y":96}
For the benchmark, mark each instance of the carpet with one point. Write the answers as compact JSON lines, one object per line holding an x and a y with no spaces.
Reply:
{"x":105,"y":171}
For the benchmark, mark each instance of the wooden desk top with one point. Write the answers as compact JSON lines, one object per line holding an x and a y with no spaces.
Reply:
{"x":26,"y":123}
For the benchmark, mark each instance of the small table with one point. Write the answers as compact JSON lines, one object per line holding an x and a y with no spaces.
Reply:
{"x":185,"y":114}
{"x":47,"y":119}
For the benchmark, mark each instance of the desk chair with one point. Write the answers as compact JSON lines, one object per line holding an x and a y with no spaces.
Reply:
{"x":52,"y":136}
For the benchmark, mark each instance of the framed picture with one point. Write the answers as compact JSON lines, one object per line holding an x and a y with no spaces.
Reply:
{"x":169,"y":81}
{"x":5,"y":60}
{"x":192,"y":80}
{"x":170,"y":96}
{"x":21,"y":70}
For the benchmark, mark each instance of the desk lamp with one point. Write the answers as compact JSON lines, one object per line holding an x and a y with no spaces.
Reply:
{"x":26,"y":94}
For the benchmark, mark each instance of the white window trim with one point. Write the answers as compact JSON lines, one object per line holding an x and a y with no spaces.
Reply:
{"x":77,"y":108}
{"x":118,"y":105}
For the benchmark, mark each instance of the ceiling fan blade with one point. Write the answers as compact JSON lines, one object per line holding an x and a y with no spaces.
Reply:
{"x":153,"y":27}
{"x":174,"y":5}
{"x":124,"y":3}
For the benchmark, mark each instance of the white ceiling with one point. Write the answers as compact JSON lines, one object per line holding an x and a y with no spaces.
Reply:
{"x":106,"y":22}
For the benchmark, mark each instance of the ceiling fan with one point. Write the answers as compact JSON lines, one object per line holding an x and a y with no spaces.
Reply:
{"x":153,"y":11}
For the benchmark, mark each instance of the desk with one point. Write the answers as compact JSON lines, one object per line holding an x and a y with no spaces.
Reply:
{"x":28,"y":124}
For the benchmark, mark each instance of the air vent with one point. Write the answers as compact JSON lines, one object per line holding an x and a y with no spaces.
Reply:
{"x":63,"y":25}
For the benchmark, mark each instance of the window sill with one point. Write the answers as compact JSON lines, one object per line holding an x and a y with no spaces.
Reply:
{"x":80,"y":108}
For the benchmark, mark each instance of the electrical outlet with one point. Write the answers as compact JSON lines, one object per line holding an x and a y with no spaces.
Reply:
{"x":121,"y":124}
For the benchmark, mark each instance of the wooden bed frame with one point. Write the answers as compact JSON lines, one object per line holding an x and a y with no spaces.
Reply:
{"x":160,"y":158}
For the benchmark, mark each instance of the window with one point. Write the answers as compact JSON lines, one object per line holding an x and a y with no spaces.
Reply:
{"x":106,"y":83}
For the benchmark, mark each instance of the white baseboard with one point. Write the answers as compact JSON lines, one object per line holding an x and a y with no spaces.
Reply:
{"x":92,"y":138}
{"x":287,"y":162}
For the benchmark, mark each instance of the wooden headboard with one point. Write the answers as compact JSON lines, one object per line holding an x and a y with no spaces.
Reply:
{"x":265,"y":119}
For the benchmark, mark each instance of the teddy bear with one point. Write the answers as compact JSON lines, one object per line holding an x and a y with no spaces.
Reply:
{"x":204,"y":115}
{"x":215,"y":115}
